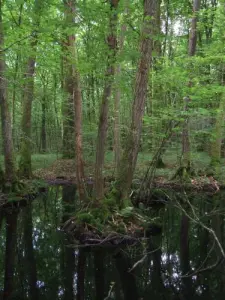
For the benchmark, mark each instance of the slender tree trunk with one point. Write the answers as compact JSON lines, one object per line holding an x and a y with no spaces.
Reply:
{"x":10,"y":174}
{"x":28,"y":95}
{"x":117,"y":96}
{"x":10,"y":253}
{"x":68,"y":84}
{"x":43,"y":126}
{"x":104,"y":109}
{"x":218,"y":134}
{"x":77,"y":103}
{"x":186,"y":162}
{"x":129,"y":159}
{"x":18,"y":58}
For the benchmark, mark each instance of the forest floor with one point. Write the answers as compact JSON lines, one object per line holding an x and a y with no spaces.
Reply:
{"x":51,"y":166}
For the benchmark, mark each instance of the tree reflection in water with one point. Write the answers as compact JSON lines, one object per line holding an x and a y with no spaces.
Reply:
{"x":37,"y":260}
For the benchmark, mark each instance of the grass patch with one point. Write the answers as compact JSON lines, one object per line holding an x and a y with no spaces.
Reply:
{"x":43,"y":161}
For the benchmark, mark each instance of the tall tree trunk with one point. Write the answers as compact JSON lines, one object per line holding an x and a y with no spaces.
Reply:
{"x":218,"y":134}
{"x":186,"y":161}
{"x":129,"y":159}
{"x":77,"y":102}
{"x":10,"y":174}
{"x":10,"y":253}
{"x":28,"y":95}
{"x":43,"y":125}
{"x":184,"y":239}
{"x":117,"y":95}
{"x":68,"y":83}
{"x":18,"y":58}
{"x":104,"y":109}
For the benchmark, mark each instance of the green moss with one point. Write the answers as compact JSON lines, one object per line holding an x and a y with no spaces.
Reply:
{"x":86,"y":217}
{"x":111,"y":203}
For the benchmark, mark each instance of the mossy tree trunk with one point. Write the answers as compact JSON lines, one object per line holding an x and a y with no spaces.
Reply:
{"x":10,"y":174}
{"x":129,"y":158}
{"x":25,"y":169}
{"x":104,"y":109}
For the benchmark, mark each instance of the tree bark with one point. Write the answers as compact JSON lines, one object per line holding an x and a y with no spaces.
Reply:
{"x":43,"y":125}
{"x":104,"y":109}
{"x":10,"y":174}
{"x":117,"y":95}
{"x":75,"y":92}
{"x":25,"y":169}
{"x":218,"y":134}
{"x":68,"y":83}
{"x":186,"y":162}
{"x":129,"y":158}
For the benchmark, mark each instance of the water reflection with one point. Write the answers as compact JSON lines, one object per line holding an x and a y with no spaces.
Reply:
{"x":37,"y":260}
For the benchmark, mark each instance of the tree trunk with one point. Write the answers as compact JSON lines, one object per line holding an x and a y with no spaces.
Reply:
{"x":25,"y":169}
{"x":75,"y":92}
{"x":43,"y":126}
{"x":104,"y":109}
{"x":218,"y":134}
{"x":117,"y":96}
{"x":186,"y":161}
{"x":68,"y":83}
{"x":10,"y":174}
{"x":17,"y":61}
{"x":129,"y":159}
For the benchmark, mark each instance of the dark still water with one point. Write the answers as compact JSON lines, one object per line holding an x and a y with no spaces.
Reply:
{"x":37,"y":260}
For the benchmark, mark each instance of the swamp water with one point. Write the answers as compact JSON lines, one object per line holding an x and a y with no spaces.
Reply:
{"x":37,"y":260}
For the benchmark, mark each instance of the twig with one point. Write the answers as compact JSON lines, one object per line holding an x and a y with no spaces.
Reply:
{"x":110,"y":291}
{"x":16,"y":42}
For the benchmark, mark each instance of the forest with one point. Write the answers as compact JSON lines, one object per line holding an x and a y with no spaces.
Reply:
{"x":112,"y":164}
